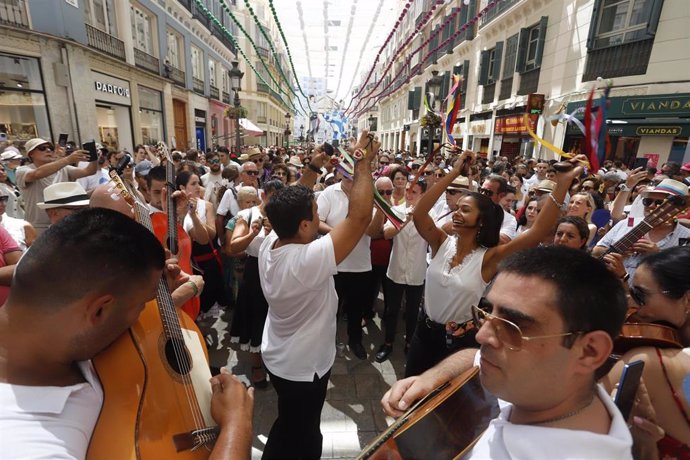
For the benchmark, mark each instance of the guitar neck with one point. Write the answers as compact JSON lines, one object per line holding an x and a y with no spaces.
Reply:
{"x":633,"y":236}
{"x":172,"y":210}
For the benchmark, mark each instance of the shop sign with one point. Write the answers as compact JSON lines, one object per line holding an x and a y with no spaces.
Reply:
{"x":662,"y":105}
{"x":658,"y":130}
{"x":111,"y":89}
{"x":514,"y":124}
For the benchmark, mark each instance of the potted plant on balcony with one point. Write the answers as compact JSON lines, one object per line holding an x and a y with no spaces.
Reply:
{"x":235,"y":112}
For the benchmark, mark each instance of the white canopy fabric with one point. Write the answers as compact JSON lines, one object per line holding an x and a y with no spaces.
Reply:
{"x":250,"y":128}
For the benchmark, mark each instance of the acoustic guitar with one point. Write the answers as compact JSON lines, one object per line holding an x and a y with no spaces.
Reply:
{"x":443,"y":425}
{"x":155,"y":379}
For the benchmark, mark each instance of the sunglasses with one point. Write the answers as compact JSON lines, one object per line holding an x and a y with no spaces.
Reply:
{"x":44,"y":147}
{"x":587,"y":188}
{"x":428,"y":173}
{"x":4,"y":199}
{"x":214,"y":161}
{"x":647,"y":202}
{"x":507,"y":332}
{"x":453,"y":192}
{"x":385,"y":192}
{"x":252,"y":173}
{"x":639,"y":295}
{"x":486,"y":191}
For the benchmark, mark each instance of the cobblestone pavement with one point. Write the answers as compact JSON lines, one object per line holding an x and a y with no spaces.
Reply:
{"x":352,"y":414}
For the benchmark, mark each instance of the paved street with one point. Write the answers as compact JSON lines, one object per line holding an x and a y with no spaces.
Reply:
{"x":352,"y":414}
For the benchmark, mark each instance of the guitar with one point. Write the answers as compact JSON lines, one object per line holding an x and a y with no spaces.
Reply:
{"x":443,"y":425}
{"x":170,"y":233}
{"x":671,"y":207}
{"x":155,"y":380}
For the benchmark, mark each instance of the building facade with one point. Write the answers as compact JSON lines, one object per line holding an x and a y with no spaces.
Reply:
{"x":560,"y":49}
{"x":120,"y":72}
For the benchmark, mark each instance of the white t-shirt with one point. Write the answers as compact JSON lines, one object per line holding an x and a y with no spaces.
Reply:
{"x":504,"y":440}
{"x":94,"y":180}
{"x":297,"y":281}
{"x":450,"y":293}
{"x":32,"y":193}
{"x":16,"y":228}
{"x":509,"y":225}
{"x":49,"y":422}
{"x":407,"y":263}
{"x":228,"y":203}
{"x":250,"y":215}
{"x":333,"y":205}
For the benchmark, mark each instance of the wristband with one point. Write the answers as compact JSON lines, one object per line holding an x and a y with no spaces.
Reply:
{"x":553,"y":198}
{"x":624,"y":188}
{"x":314,"y":168}
{"x":196,"y":289}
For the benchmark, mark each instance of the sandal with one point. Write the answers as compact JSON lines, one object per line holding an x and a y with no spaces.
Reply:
{"x":262,"y":383}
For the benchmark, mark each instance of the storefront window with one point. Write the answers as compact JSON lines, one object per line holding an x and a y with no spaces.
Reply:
{"x":23,"y":111}
{"x":114,"y":127}
{"x":151,"y":115}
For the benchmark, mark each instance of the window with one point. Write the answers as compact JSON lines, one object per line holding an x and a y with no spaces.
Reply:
{"x":101,"y":15}
{"x":175,"y":53}
{"x":490,"y":65}
{"x":197,"y":63}
{"x":142,"y":30}
{"x":622,"y":21}
{"x":151,"y":115}
{"x":226,"y":80}
{"x":212,"y":72}
{"x":531,"y":46}
{"x":511,"y":55}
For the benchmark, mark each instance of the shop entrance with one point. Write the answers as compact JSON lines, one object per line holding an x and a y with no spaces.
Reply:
{"x":180,"y":117}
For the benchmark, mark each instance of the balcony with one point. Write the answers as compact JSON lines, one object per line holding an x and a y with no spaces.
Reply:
{"x":220,"y":34}
{"x":198,"y":85}
{"x":215,"y":93}
{"x":13,"y":13}
{"x":500,"y":7}
{"x":178,"y":76}
{"x":529,"y":81}
{"x":226,"y":97}
{"x":199,"y":15}
{"x":105,"y":42}
{"x":263,"y":52}
{"x":261,"y":119}
{"x":489,"y":93}
{"x":262,"y":88}
{"x":186,"y":3}
{"x":146,"y":61}
{"x":618,"y":61}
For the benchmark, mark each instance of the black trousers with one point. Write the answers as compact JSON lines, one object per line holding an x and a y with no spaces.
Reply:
{"x":353,"y":292}
{"x":428,"y":346}
{"x":296,"y":433}
{"x":413,"y":300}
{"x":379,"y":281}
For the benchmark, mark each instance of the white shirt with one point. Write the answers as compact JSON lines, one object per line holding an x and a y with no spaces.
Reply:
{"x":39,"y":422}
{"x":333,"y":206}
{"x":16,"y":229}
{"x":509,"y":225}
{"x":228,"y":203}
{"x":504,"y":440}
{"x":297,"y":280}
{"x":211,"y":183}
{"x":94,"y":180}
{"x":450,"y":293}
{"x":407,"y":263}
{"x":249,"y":216}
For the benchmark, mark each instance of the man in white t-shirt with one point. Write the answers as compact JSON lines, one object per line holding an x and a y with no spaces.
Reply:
{"x":213,"y":177}
{"x":296,"y":272}
{"x":496,"y":188}
{"x":546,"y":330}
{"x":50,"y":396}
{"x":249,"y":176}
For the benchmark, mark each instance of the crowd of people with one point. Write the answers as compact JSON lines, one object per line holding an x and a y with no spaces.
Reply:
{"x":512,"y":265}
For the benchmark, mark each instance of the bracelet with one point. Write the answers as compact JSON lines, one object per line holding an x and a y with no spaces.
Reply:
{"x":316,"y":169}
{"x":553,"y":198}
{"x":196,"y":289}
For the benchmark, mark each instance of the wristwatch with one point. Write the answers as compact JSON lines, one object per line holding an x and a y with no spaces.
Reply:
{"x":624,"y":188}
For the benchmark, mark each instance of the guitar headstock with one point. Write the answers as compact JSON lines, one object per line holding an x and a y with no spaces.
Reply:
{"x":163,"y":150}
{"x":120,"y":189}
{"x":671,"y":207}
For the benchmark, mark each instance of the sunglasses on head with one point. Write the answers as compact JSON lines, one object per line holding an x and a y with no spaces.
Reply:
{"x":507,"y":332}
{"x":44,"y":147}
{"x":385,"y":192}
{"x":486,"y":191}
{"x":650,"y":201}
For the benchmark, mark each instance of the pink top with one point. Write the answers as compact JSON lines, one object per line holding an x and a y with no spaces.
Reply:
{"x":7,"y":244}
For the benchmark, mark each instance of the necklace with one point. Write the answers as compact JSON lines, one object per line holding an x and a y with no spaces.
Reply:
{"x":563,"y":417}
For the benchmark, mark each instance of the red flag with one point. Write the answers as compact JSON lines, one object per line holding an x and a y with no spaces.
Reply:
{"x":589,"y":150}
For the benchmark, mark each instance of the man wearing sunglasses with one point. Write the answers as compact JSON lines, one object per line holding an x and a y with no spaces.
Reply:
{"x":666,"y":235}
{"x":48,"y":166}
{"x":546,"y":331}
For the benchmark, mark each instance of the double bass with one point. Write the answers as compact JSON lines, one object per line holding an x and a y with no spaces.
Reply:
{"x":155,"y":379}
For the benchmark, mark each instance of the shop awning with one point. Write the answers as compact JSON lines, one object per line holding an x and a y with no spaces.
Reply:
{"x":250,"y":128}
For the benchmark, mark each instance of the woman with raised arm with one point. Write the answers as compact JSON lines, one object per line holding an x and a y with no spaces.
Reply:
{"x":462,"y":265}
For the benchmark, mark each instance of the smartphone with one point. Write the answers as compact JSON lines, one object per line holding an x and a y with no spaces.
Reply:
{"x":640,"y":162}
{"x":91,"y":148}
{"x":62,"y":140}
{"x":328,"y":148}
{"x":627,"y":387}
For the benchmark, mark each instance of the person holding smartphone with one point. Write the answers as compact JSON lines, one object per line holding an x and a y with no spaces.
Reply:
{"x":48,"y":166}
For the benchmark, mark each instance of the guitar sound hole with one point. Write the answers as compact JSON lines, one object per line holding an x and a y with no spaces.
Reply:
{"x":178,"y":357}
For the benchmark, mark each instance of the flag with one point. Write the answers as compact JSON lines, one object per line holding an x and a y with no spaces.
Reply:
{"x":453,"y":107}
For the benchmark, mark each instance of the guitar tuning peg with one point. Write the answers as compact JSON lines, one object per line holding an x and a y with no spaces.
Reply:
{"x":115,"y":196}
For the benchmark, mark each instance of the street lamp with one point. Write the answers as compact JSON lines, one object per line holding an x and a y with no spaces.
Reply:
{"x":301,"y":135}
{"x":236,"y":75}
{"x":287,"y":130}
{"x":434,"y":87}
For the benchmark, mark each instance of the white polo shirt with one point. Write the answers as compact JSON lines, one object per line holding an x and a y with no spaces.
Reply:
{"x":299,"y":336}
{"x":333,"y":205}
{"x":49,"y":422}
{"x":407,"y":264}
